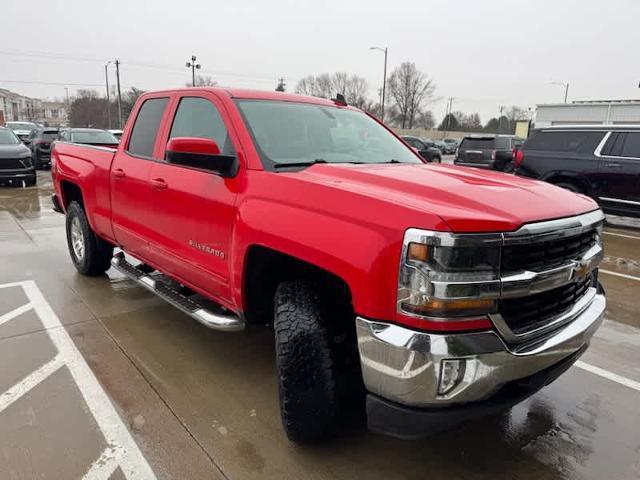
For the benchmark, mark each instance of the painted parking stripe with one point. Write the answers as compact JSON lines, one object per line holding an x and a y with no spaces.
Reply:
{"x":614,"y":377}
{"x":14,"y":313}
{"x":25,"y":385}
{"x":124,"y":452}
{"x":616,"y":274}
{"x":621,"y":235}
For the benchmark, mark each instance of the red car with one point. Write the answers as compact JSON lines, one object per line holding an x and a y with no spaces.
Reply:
{"x":436,"y":292}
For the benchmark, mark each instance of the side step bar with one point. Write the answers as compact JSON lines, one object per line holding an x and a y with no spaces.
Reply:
{"x":215,"y":321}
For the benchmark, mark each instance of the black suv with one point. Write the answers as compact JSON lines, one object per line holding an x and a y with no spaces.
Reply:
{"x":426,"y":148}
{"x":488,"y":151}
{"x":39,"y":141}
{"x":600,"y":161}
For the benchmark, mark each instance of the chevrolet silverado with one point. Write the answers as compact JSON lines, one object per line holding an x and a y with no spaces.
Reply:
{"x":424,"y":294}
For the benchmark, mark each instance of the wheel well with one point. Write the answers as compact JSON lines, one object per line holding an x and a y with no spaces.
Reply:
{"x":266,"y":268}
{"x":577,"y":181}
{"x":70,"y":192}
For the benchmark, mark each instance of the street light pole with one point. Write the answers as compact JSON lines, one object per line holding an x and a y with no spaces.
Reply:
{"x":566,"y":89}
{"x":106,"y":79}
{"x":193,"y":66}
{"x":384,"y":80}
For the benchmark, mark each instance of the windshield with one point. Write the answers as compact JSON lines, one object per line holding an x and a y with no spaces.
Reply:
{"x":7,"y":137}
{"x":287,"y":133}
{"x":93,"y":136}
{"x":21,"y":125}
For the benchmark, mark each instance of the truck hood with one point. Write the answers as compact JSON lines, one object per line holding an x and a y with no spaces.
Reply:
{"x":466,"y":199}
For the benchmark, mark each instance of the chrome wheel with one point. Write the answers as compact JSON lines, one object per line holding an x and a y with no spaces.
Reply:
{"x":77,"y":238}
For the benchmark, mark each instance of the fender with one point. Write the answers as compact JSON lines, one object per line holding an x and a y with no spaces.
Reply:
{"x":351,"y":251}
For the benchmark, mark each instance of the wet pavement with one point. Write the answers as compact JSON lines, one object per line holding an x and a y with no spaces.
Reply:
{"x":100,"y":379}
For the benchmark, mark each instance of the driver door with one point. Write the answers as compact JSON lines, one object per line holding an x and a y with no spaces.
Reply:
{"x":193,"y":210}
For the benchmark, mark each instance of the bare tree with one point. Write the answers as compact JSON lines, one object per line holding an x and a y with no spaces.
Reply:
{"x":203,"y":81}
{"x":325,"y":85}
{"x":426,"y":120}
{"x":88,"y":109}
{"x":410,"y":90}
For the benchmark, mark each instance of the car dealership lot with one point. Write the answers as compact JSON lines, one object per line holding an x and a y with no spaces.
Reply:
{"x":187,"y":402}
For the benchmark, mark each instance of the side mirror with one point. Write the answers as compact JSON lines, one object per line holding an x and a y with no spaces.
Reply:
{"x":201,"y":153}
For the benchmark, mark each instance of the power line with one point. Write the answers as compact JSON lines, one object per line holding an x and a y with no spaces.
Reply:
{"x":53,"y":83}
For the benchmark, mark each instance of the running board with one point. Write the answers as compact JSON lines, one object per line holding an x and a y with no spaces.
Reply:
{"x":215,"y":321}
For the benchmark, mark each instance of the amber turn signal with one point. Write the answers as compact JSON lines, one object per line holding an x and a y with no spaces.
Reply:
{"x":418,"y":252}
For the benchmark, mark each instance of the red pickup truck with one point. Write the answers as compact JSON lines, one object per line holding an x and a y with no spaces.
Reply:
{"x":429,"y":294}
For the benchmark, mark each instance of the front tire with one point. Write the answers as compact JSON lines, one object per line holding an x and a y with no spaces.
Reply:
{"x":307,"y":376}
{"x":90,"y":254}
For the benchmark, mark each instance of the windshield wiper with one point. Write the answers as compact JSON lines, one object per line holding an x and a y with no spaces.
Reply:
{"x":300,"y":164}
{"x":307,"y":164}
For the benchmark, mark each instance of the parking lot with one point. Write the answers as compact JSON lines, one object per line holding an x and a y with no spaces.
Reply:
{"x":100,"y":379}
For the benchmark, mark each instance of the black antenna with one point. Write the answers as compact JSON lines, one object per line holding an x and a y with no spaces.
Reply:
{"x":340,"y":100}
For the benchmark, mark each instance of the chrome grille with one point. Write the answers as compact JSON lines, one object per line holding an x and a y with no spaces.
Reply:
{"x":529,"y":313}
{"x":537,"y":256}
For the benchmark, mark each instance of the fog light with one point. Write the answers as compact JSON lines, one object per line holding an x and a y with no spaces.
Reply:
{"x":451,"y":374}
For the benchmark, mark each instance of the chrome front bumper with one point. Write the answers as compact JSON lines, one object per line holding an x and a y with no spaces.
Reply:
{"x":404,"y":366}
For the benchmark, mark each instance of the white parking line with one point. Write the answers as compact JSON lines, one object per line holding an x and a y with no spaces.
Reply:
{"x":614,"y":377}
{"x":621,"y":235}
{"x":14,"y":313}
{"x":131,"y":461}
{"x":30,"y":381}
{"x":616,"y":274}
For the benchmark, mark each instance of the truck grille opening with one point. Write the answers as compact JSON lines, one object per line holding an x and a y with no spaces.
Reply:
{"x":544,"y":255}
{"x":528,"y":313}
{"x":13,"y":164}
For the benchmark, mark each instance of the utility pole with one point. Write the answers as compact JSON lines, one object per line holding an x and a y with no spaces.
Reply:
{"x":281,"y":85}
{"x":384,"y":79}
{"x":117,"y":62}
{"x":448,"y":114}
{"x":106,"y":79}
{"x":193,"y":66}
{"x":500,"y":120}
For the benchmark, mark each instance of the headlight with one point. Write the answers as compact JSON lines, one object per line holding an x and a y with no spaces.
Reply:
{"x":449,"y":276}
{"x":26,"y":161}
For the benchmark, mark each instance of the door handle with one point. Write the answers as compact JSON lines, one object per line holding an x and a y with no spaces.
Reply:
{"x":118,"y":172}
{"x":159,"y":183}
{"x":613,"y":165}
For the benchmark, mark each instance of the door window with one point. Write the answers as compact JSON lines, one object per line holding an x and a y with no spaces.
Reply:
{"x":198,"y":117}
{"x":145,"y":130}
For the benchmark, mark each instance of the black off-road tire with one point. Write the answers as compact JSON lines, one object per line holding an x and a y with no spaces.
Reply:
{"x":97,"y":253}
{"x":307,"y":374}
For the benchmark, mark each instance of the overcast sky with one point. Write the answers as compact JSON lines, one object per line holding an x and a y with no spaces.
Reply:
{"x":484,"y":53}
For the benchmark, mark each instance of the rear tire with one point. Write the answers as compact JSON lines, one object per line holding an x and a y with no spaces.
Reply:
{"x":307,"y":376}
{"x":89,"y":253}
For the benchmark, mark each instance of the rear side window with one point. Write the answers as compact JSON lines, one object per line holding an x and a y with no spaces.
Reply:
{"x":198,"y":117}
{"x":564,"y":141}
{"x":477,"y":144}
{"x":145,"y":130}
{"x":631,"y":146}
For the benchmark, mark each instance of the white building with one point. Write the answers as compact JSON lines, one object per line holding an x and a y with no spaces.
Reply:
{"x":16,"y":107}
{"x":588,"y":112}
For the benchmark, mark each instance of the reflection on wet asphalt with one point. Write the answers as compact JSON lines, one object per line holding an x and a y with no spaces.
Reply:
{"x":203,"y":404}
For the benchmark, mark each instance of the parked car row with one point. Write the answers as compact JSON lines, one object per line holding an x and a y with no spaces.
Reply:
{"x":24,"y":149}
